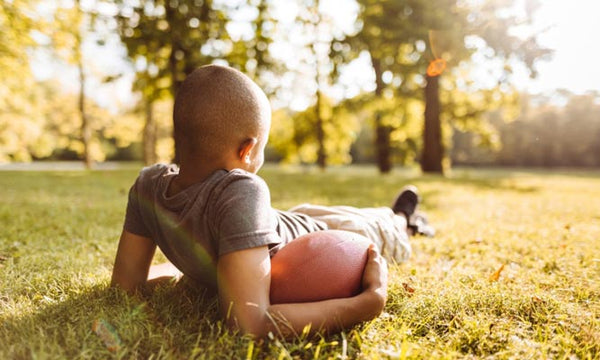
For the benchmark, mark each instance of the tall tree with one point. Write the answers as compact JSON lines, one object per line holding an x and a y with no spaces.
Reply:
{"x":316,"y":30}
{"x":72,"y":27}
{"x":313,"y":20}
{"x":405,"y":37}
{"x":386,"y":34}
{"x":452,"y":32}
{"x":433,"y":148}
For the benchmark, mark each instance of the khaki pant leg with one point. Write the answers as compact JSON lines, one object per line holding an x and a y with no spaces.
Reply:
{"x":384,"y":228}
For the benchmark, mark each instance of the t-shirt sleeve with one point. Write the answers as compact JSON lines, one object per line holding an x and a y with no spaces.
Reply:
{"x":133,"y":215}
{"x":244,"y":217}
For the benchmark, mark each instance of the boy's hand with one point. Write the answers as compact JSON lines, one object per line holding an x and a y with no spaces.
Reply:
{"x":375,"y":278}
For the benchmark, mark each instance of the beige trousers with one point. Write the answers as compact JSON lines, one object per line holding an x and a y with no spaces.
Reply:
{"x":384,"y":228}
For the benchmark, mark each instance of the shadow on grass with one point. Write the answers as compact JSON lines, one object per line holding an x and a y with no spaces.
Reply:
{"x":173,"y":320}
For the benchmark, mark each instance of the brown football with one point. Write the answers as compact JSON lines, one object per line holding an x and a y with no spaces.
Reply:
{"x":318,"y":266}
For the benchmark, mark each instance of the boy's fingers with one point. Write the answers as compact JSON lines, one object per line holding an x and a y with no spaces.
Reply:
{"x":374,"y":255}
{"x":372,"y":252}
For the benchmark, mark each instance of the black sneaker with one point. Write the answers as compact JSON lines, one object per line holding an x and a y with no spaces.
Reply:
{"x":407,"y":201}
{"x":419,"y":225}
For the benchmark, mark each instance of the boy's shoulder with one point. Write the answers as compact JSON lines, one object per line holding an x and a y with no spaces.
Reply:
{"x":239,"y":180}
{"x":242,"y":174}
{"x":152,"y":176}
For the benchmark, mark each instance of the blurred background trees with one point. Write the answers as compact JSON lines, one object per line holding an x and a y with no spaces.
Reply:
{"x":542,"y":136}
{"x":389,"y":82}
{"x":21,"y":119}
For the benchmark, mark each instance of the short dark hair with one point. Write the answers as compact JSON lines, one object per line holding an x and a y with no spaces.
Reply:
{"x":215,"y":106}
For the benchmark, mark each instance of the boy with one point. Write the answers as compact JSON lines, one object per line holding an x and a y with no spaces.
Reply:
{"x":212,"y":216}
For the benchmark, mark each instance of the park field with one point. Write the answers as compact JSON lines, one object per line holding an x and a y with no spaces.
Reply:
{"x":513,"y":273}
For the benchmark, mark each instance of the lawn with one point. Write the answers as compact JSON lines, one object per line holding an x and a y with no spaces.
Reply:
{"x":514,"y":271}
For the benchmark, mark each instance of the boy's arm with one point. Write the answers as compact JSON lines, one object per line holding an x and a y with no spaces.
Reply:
{"x":132,"y":262}
{"x":244,"y":279}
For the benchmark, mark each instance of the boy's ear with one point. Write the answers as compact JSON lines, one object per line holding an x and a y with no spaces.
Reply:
{"x":246,"y":148}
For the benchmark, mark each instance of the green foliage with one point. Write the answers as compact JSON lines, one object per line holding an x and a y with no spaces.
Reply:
{"x":51,"y":128}
{"x":468,"y":111}
{"x":17,"y":21}
{"x":71,"y":30}
{"x":20,"y":119}
{"x":57,"y":252}
{"x":250,"y":52}
{"x":41,"y":119}
{"x":167,"y":40}
{"x":49,"y":124}
{"x":293,"y":135}
{"x":465,"y":103}
{"x":402,"y":116}
{"x":62,"y":123}
{"x":402,"y":37}
{"x":171,"y":38}
{"x":70,"y":27}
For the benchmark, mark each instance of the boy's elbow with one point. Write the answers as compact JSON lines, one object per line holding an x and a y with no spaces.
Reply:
{"x":122,"y":286}
{"x":126,"y":284}
{"x":258,"y":327}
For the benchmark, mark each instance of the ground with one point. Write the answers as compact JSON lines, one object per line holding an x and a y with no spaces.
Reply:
{"x":514,"y":271}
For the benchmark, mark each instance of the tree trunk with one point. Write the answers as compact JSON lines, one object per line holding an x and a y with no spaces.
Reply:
{"x":86,"y":131}
{"x":321,"y":152}
{"x":149,"y":135}
{"x":382,"y":132}
{"x":320,"y":122}
{"x":433,"y":151}
{"x":383,"y":145}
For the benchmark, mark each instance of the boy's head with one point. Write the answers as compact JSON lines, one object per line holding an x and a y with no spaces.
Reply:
{"x":221,"y":117}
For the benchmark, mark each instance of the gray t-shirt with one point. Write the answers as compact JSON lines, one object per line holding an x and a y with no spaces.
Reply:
{"x":228,"y":211}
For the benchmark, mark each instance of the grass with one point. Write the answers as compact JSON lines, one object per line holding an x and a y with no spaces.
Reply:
{"x":59,"y":236}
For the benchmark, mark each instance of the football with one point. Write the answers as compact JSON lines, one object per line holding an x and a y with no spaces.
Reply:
{"x":318,"y":266}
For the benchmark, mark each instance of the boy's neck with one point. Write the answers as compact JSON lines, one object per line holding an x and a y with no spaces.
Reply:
{"x":188,"y":177}
{"x":196,"y":171}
